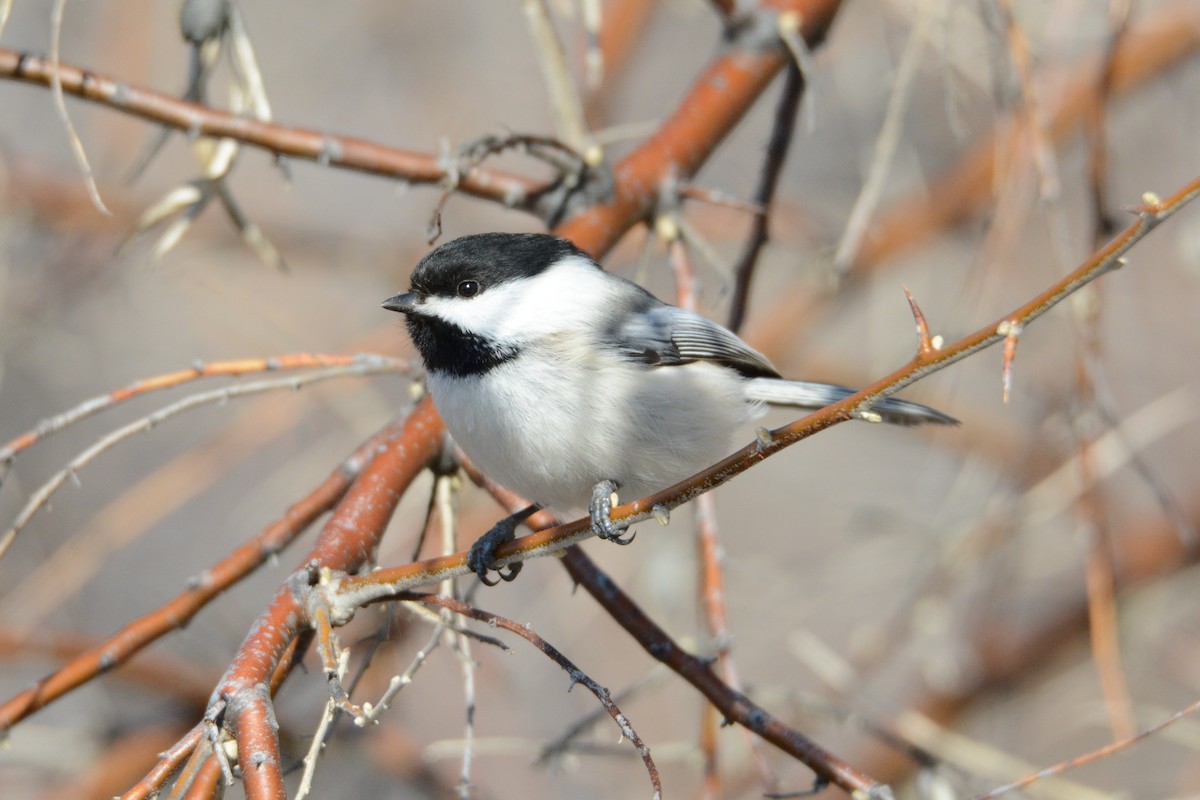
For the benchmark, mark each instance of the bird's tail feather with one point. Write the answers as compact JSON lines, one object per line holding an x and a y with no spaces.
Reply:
{"x":803,"y":394}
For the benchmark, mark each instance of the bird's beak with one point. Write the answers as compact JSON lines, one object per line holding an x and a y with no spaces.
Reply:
{"x":404,"y":303}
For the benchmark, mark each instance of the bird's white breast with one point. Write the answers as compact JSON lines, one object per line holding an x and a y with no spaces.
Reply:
{"x":558,"y":419}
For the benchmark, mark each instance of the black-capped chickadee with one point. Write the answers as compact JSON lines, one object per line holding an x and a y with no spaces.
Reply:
{"x":565,"y":382}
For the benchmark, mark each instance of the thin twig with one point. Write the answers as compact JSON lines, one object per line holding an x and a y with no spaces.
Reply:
{"x":593,"y":23}
{"x":327,"y":149}
{"x":200,"y":369}
{"x":888,"y":139}
{"x":372,"y":712}
{"x":716,"y":614}
{"x":168,"y":763}
{"x":782,"y":132}
{"x":564,"y":99}
{"x":1095,"y":129}
{"x":1093,"y":756}
{"x":1156,"y":42}
{"x":565,"y":742}
{"x":446,"y":496}
{"x":60,"y":105}
{"x":577,"y":675}
{"x":210,"y":583}
{"x":314,"y":749}
{"x":1038,"y":129}
{"x":361,"y":366}
{"x":735,"y":706}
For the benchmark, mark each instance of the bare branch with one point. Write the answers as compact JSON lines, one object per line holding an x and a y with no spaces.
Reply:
{"x":327,"y":149}
{"x":360,"y":366}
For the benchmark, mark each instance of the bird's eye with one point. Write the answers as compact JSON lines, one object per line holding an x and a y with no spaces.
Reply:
{"x":468,"y":288}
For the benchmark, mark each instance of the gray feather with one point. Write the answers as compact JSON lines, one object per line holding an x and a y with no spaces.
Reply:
{"x":664,"y":335}
{"x":804,"y":394}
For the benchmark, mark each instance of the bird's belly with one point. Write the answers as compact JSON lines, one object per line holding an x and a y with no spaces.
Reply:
{"x":551,"y":438}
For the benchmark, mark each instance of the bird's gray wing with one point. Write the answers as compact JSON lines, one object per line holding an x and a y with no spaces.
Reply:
{"x":666,"y":336}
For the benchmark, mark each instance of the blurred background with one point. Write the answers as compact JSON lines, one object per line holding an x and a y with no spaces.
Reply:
{"x":933,"y":583}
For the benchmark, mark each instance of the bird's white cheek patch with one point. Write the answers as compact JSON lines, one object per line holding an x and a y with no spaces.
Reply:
{"x":483,"y":315}
{"x":568,"y":295}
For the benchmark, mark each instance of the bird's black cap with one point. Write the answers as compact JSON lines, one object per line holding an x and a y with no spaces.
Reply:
{"x":490,"y":258}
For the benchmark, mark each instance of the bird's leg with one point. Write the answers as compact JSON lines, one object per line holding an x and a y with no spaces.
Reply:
{"x":482,"y":556}
{"x":604,"y":495}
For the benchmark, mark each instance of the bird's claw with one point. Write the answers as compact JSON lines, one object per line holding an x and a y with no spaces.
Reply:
{"x":482,"y":556}
{"x":604,"y":496}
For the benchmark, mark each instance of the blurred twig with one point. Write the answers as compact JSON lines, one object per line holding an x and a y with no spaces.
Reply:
{"x":60,"y":105}
{"x":1093,"y":756}
{"x":360,"y":365}
{"x":199,"y":370}
{"x":772,"y":168}
{"x":176,"y":613}
{"x":346,"y":152}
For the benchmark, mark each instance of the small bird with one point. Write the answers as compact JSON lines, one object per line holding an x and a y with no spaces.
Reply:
{"x":565,"y":382}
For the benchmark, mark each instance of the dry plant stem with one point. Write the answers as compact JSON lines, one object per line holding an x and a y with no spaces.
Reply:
{"x":1094,"y":129}
{"x":781,"y":137}
{"x":206,"y":785}
{"x":552,"y":59}
{"x":563,"y":743}
{"x":192,"y":768}
{"x":314,"y":750}
{"x":201,"y":369}
{"x":1088,"y":758}
{"x":710,"y":723}
{"x":1003,"y":649}
{"x":120,"y":647}
{"x":345,"y":152}
{"x":888,"y":138}
{"x":735,"y":706}
{"x":349,"y":538}
{"x":56,"y":88}
{"x":1101,"y":579}
{"x":712,"y":578}
{"x":577,"y":675}
{"x":360,"y":366}
{"x":716,"y":613}
{"x":170,"y":761}
{"x":1049,"y":185}
{"x":445,"y":491}
{"x":1101,"y":582}
{"x":621,"y":25}
{"x":1147,"y":49}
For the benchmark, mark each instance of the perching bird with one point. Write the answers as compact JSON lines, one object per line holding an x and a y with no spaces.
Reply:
{"x":565,"y":382}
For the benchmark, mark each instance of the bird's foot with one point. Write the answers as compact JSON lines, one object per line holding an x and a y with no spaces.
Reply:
{"x":482,"y":556}
{"x":604,"y":497}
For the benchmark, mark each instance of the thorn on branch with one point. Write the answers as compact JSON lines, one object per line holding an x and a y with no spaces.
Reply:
{"x":925,"y":343}
{"x":1011,"y":331}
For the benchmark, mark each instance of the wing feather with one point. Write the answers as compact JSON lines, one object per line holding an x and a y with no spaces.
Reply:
{"x":667,"y":336}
